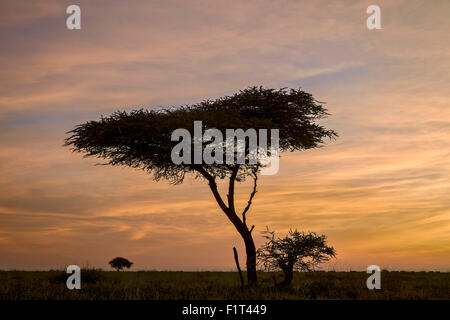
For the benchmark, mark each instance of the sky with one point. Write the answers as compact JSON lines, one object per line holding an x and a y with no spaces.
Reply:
{"x":380,"y":191}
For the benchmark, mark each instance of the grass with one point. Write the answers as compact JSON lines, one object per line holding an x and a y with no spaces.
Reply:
{"x":154,"y":285}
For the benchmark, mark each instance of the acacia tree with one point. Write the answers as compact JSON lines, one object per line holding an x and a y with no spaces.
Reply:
{"x":296,"y":251}
{"x":119,"y":263}
{"x":142,"y":139}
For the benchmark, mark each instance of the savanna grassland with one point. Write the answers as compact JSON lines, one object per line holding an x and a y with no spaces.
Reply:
{"x":154,"y":285}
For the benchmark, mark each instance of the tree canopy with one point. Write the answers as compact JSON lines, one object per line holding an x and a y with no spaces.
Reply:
{"x":296,"y":251}
{"x":142,"y":138}
{"x":119,"y":263}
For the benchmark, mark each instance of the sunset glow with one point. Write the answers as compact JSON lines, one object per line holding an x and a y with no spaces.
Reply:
{"x":380,"y":191}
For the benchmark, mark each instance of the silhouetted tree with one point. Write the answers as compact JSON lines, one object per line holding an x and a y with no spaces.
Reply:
{"x":119,"y":263}
{"x":142,"y":139}
{"x":296,"y":251}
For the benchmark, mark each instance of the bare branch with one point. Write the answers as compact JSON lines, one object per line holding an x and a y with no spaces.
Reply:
{"x":231,"y":214}
{"x":213,"y":186}
{"x":249,"y":203}
{"x":236,"y":259}
{"x":230,"y":195}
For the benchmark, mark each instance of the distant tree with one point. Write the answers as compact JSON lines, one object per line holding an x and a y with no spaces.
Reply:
{"x":296,"y":251}
{"x":119,"y":263}
{"x":142,"y":139}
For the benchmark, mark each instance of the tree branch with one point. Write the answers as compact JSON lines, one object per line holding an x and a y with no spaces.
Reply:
{"x":231,"y":188}
{"x":231,"y":214}
{"x":213,"y":186}
{"x":249,"y":203}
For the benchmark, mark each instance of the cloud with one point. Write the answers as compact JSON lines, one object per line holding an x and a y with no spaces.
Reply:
{"x":379,"y":191}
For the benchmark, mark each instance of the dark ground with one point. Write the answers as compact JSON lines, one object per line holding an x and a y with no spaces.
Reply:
{"x":154,"y":285}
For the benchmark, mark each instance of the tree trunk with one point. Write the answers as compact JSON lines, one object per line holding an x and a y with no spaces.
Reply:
{"x":288,"y":271}
{"x":288,"y":277}
{"x":250,"y":250}
{"x":240,"y":225}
